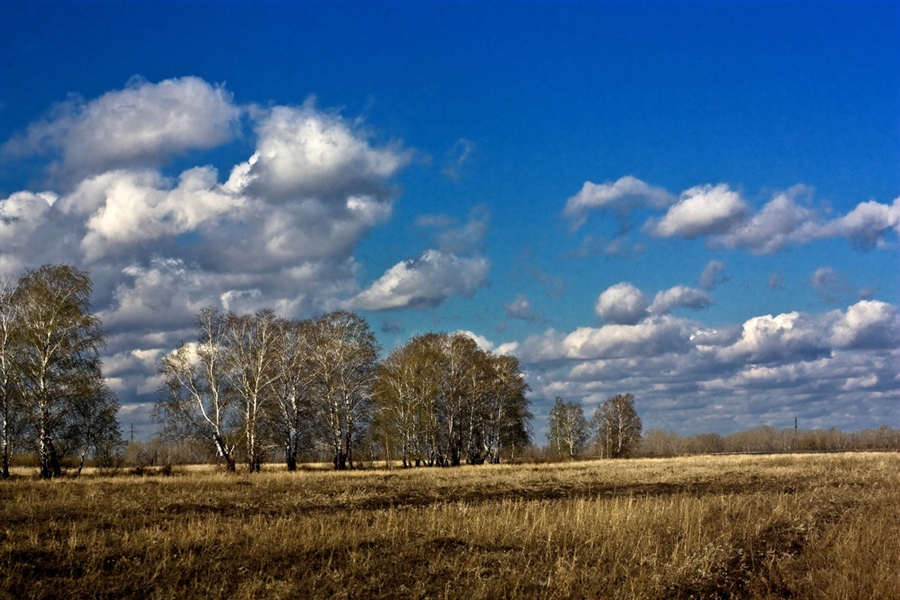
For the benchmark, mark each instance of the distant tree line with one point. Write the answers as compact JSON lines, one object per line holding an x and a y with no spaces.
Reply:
{"x":766,"y":438}
{"x":54,"y":401}
{"x":257,"y":382}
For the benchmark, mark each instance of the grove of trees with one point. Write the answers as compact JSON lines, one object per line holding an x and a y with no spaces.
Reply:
{"x":615,"y":428}
{"x":253,"y":383}
{"x":54,"y":401}
{"x":441,"y":400}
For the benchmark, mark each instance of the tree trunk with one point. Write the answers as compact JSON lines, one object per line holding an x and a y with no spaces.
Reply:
{"x":7,"y":451}
{"x":290,"y":457}
{"x":227,"y":454}
{"x":81,"y":462}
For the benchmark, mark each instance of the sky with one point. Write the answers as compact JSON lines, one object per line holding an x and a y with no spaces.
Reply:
{"x":697,"y":203}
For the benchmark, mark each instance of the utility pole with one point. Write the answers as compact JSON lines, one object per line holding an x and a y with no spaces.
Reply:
{"x":131,"y":428}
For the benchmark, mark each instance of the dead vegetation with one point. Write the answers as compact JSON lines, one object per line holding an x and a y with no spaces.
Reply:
{"x":804,"y":526}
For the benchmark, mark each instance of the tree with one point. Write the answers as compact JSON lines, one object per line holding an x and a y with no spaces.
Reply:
{"x":11,"y":418}
{"x":568,"y":429}
{"x":406,"y":390}
{"x":196,"y":400}
{"x":618,"y":426}
{"x":95,"y":428}
{"x":251,"y":350}
{"x":441,"y":398}
{"x":57,"y":364}
{"x":343,"y":357}
{"x":506,"y":419}
{"x":291,"y":420}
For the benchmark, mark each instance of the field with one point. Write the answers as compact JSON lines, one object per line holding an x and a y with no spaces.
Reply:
{"x":801,"y":526}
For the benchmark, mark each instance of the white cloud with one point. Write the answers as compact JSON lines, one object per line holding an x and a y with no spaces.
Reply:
{"x":788,"y":336}
{"x":824,"y":368}
{"x":126,"y":208}
{"x":424,"y":282}
{"x":306,"y":153}
{"x":680,"y":296}
{"x":622,"y":304}
{"x":864,"y":226}
{"x":143,"y":125}
{"x":868,"y":324}
{"x":651,"y":337}
{"x":772,"y":227}
{"x":482,"y":342}
{"x":702,"y":210}
{"x":21,"y":216}
{"x":627,"y":192}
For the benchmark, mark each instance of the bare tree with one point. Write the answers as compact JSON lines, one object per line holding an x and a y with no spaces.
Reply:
{"x":196,"y":401}
{"x":291,"y":422}
{"x":251,"y":350}
{"x":618,"y":426}
{"x":344,"y":357}
{"x":569,"y":431}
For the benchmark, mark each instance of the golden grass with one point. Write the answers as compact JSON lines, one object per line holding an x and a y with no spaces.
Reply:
{"x":808,"y":526}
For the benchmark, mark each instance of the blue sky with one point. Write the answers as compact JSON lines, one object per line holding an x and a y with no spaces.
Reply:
{"x":698,"y":203}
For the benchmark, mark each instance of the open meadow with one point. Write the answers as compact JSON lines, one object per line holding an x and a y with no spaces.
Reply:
{"x":768,"y":526}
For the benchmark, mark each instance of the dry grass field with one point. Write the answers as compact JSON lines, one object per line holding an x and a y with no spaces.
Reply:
{"x":800,"y":526}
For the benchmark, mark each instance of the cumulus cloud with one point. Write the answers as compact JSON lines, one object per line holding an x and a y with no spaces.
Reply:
{"x":772,"y":227}
{"x":622,"y":304}
{"x":303,"y":152}
{"x":143,"y":124}
{"x":680,"y":296}
{"x":22,"y":216}
{"x":651,"y":337}
{"x":701,"y":210}
{"x":868,"y":324}
{"x":625,"y":193}
{"x":864,"y":226}
{"x":280,"y":232}
{"x":817,"y":366}
{"x":721,"y":215}
{"x":424,"y":282}
{"x":126,"y":208}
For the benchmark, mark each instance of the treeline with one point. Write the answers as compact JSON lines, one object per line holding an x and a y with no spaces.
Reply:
{"x":659,"y":443}
{"x":254,"y":383}
{"x":54,"y":402}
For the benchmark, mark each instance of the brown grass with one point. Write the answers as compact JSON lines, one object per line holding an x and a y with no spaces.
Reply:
{"x":803,"y":526}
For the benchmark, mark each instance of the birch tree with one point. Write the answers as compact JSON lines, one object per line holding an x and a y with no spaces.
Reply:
{"x":196,"y":400}
{"x":344,"y":356}
{"x":11,"y":417}
{"x":250,"y":351}
{"x":291,"y":420}
{"x":57,"y":356}
{"x":569,"y":431}
{"x":618,"y":426}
